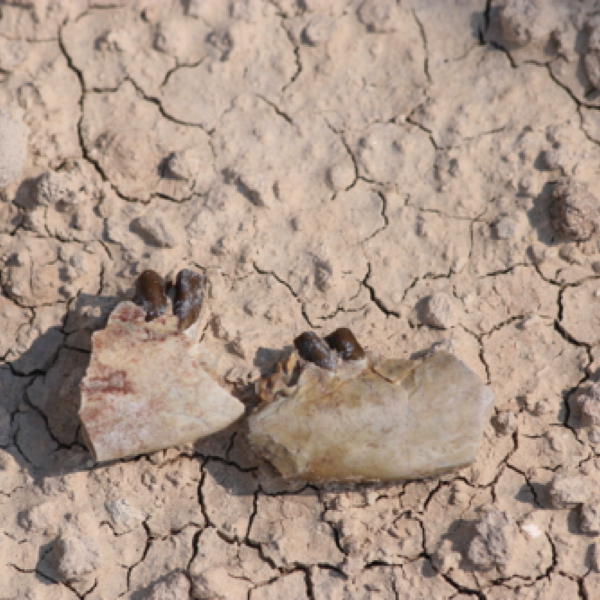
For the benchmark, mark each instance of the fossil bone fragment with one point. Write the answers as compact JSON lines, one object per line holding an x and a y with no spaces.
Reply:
{"x":146,"y":388}
{"x":361,"y":417}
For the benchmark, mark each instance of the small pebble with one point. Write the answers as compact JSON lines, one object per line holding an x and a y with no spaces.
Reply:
{"x":542,"y":407}
{"x":319,"y":29}
{"x":438,"y":310}
{"x":530,"y":320}
{"x":505,"y":422}
{"x":506,"y":228}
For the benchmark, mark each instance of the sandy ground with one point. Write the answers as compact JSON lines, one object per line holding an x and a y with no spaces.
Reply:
{"x":422,"y":172}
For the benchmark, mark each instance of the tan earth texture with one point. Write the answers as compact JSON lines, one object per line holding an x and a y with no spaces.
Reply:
{"x":424,"y":172}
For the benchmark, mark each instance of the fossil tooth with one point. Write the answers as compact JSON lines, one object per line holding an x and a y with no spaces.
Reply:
{"x":150,"y":294}
{"x":370,"y":420}
{"x":146,"y":389}
{"x":189,"y":297}
{"x":342,"y":340}
{"x":313,"y":349}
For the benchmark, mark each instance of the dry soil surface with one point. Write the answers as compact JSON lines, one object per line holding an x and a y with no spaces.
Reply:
{"x":420,"y":171}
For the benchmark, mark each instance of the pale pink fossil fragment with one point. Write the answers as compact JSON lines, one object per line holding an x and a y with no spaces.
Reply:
{"x":367,"y":418}
{"x":146,"y":389}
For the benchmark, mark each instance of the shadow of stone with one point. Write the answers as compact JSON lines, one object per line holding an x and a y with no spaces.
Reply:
{"x":89,"y":314}
{"x":460,"y":534}
{"x":40,"y":392}
{"x":41,"y":354}
{"x":574,"y":524}
{"x":539,"y":216}
{"x":218,"y":444}
{"x":267,"y":359}
{"x":525,"y":495}
{"x":421,"y":312}
{"x":166,"y":586}
{"x":26,"y":194}
{"x":231,"y":478}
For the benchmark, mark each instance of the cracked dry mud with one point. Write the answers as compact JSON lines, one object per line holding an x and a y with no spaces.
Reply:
{"x":386,"y":166}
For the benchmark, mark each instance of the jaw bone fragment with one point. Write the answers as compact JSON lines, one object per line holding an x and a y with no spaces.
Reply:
{"x":145,"y":388}
{"x":342,"y":415}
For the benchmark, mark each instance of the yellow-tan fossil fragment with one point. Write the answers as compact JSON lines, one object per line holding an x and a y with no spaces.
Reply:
{"x":371,"y":419}
{"x":146,"y":389}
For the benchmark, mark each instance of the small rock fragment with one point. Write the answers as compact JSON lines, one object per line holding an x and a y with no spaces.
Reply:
{"x":575,"y":212}
{"x":257,"y":188}
{"x":175,"y":586}
{"x":13,"y":146}
{"x":506,"y":228}
{"x":379,"y":15}
{"x":505,"y":422}
{"x":319,"y":29}
{"x":323,"y":274}
{"x":492,"y":546}
{"x":439,"y":311}
{"x":568,"y":491}
{"x":586,"y":404}
{"x":123,"y":515}
{"x":341,"y":176}
{"x":520,"y":21}
{"x":184,"y":164}
{"x":445,"y":559}
{"x":155,"y":231}
{"x":40,"y":519}
{"x":551,"y":159}
{"x":542,"y":407}
{"x":53,"y":187}
{"x":76,"y":557}
{"x":589,"y":517}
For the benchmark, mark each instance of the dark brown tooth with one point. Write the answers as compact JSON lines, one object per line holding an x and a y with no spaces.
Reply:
{"x":150,"y":294}
{"x":313,"y":349}
{"x":342,"y":340}
{"x":189,"y":296}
